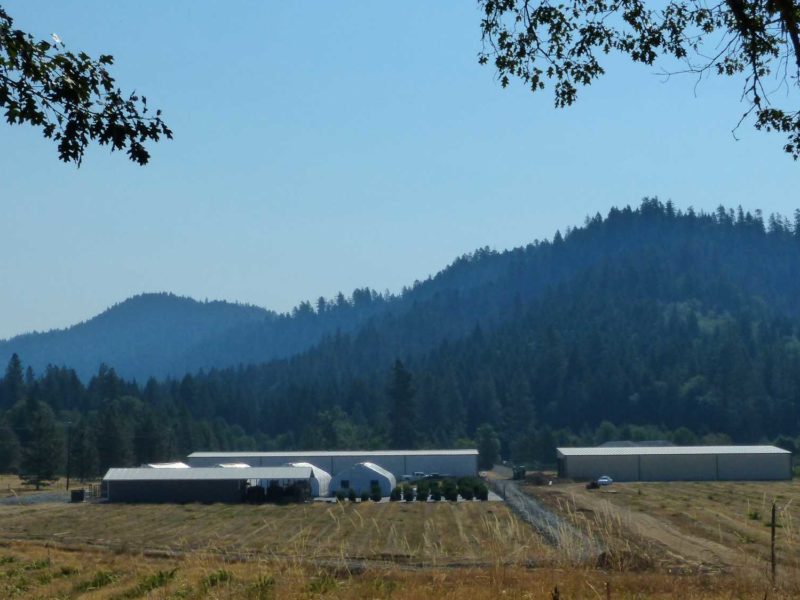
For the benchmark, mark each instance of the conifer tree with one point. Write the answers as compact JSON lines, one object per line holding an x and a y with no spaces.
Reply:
{"x":403,"y":414}
{"x":13,"y":389}
{"x":9,"y":449}
{"x":43,"y":455}
{"x":488,"y":446}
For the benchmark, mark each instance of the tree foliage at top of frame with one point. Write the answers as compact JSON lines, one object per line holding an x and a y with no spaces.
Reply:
{"x":564,"y":42}
{"x":71,"y":97}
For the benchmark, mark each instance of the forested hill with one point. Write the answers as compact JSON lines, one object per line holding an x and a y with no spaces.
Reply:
{"x":648,"y":323}
{"x":163,"y":335}
{"x":146,"y":334}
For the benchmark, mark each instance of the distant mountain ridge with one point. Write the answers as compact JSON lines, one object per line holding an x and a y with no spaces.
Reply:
{"x":720,"y":260}
{"x":146,"y":334}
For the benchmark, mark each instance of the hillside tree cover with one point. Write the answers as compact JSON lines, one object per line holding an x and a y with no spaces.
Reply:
{"x":650,"y":323}
{"x":757,"y":41}
{"x":71,"y":97}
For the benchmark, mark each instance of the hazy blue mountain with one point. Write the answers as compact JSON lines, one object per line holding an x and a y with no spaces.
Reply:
{"x":144,"y":335}
{"x":720,"y":260}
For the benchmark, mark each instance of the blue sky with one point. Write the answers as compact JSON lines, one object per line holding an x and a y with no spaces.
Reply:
{"x":326,"y":146}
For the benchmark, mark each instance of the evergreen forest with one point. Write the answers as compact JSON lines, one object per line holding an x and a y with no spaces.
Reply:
{"x":648,"y":323}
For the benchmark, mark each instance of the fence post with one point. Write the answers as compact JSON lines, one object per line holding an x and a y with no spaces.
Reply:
{"x":772,"y":543}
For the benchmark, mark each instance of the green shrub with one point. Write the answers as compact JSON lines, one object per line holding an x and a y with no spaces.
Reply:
{"x":482,"y":491}
{"x":351,"y":495}
{"x":423,"y":491}
{"x":450,"y":490}
{"x":436,"y":491}
{"x":408,"y":493}
{"x":376,"y":494}
{"x":365,"y":496}
{"x":341,"y":495}
{"x":396,"y":494}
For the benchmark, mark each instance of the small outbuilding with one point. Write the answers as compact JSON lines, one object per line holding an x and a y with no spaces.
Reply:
{"x":211,"y":484}
{"x":362,"y":477}
{"x":676,"y":463}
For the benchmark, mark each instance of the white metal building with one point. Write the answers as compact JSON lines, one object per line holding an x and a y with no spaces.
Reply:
{"x":676,"y":463}
{"x":320,"y":484}
{"x":457,"y":463}
{"x":211,"y":484}
{"x":361,"y":477}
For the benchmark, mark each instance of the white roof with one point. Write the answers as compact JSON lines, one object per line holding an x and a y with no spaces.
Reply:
{"x":172,"y":465}
{"x":234,"y":465}
{"x":669,"y":450}
{"x":377,"y":468}
{"x":207,"y":473}
{"x":318,"y":473}
{"x":304,"y":453}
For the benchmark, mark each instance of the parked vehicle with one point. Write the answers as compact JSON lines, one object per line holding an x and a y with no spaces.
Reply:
{"x":604,"y":480}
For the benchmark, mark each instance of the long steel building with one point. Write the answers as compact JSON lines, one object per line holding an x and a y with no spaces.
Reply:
{"x":196,"y":484}
{"x":457,"y":463}
{"x":676,"y":463}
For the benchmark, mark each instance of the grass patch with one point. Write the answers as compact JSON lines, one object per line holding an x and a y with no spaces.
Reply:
{"x":217,"y":578}
{"x":100,"y":580}
{"x":262,"y":588}
{"x":148,"y":583}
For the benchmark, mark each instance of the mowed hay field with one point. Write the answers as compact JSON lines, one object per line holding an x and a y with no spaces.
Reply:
{"x":388,"y":550}
{"x":695,"y":526}
{"x":476,"y":533}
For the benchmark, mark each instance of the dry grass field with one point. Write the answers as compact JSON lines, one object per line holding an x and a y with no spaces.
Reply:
{"x":477,"y":533}
{"x":30,"y":570}
{"x":388,"y":550}
{"x":712,"y":527}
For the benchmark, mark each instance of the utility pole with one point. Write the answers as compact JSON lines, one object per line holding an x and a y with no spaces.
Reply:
{"x":772,"y":543}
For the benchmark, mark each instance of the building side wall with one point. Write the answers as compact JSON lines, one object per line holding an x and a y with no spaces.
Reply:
{"x":619,"y":468}
{"x":174,"y":491}
{"x":755,"y":467}
{"x":678,"y":467}
{"x":457,"y":465}
{"x":361,"y":480}
{"x":681,"y":467}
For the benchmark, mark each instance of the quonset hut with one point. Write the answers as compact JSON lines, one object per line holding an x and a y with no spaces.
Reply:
{"x":321,"y":480}
{"x":362,"y":477}
{"x":213,"y":484}
{"x":676,"y":463}
{"x":455,"y":463}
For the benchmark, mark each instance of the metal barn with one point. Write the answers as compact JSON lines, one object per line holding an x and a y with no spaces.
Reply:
{"x":208,"y":485}
{"x":362,"y":477}
{"x":676,"y":463}
{"x":457,"y":463}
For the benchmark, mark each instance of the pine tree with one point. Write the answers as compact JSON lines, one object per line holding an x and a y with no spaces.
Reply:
{"x":83,"y":458}
{"x":488,"y":446}
{"x":9,"y":449}
{"x":113,"y":439}
{"x":42,"y":456}
{"x":13,"y":389}
{"x":403,"y":415}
